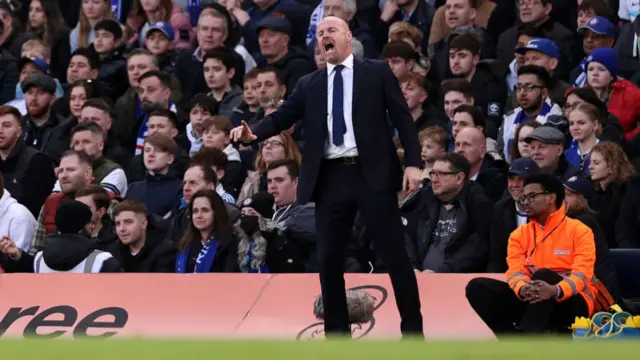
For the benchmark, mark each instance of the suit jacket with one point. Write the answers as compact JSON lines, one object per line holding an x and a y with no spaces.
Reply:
{"x":376,"y":93}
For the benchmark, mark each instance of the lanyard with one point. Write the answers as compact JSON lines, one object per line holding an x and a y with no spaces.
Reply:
{"x":535,"y":243}
{"x":277,"y":219}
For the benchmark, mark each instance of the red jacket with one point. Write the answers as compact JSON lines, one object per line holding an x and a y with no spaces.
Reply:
{"x":624,"y":104}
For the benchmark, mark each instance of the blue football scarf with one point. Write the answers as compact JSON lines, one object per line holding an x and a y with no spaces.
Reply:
{"x":246,"y":264}
{"x":582,"y":78}
{"x":194,"y":11}
{"x":116,"y":8}
{"x":522,"y":117}
{"x":142,"y":131}
{"x":203,"y":262}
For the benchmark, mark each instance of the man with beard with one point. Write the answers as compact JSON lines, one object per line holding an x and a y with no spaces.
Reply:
{"x":74,"y":173}
{"x":532,"y":93}
{"x":69,"y":251}
{"x":101,"y":227}
{"x":43,"y":129}
{"x":550,"y":275}
{"x":154,"y":91}
{"x":89,"y":138}
{"x":28,"y":173}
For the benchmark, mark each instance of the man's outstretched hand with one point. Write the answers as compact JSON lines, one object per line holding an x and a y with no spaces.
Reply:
{"x":412,"y":179}
{"x":242,"y":133}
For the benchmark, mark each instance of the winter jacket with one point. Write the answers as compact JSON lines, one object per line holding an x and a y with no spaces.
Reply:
{"x":55,"y":135}
{"x":439,"y":28}
{"x":17,"y":222}
{"x":568,"y":248}
{"x":180,"y":22}
{"x":160,"y":193}
{"x":137,"y":172}
{"x":624,"y":104}
{"x":493,"y":178}
{"x":294,"y":65}
{"x":28,"y":176}
{"x":156,"y":256}
{"x":62,"y":253}
{"x":230,"y":100}
{"x":504,"y":221}
{"x":627,"y":52}
{"x":113,"y":74}
{"x":291,"y":239}
{"x":604,"y":268}
{"x":9,"y":76}
{"x":107,"y":235}
{"x":467,"y":250}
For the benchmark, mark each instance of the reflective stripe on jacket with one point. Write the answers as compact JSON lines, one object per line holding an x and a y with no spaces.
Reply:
{"x":563,"y":245}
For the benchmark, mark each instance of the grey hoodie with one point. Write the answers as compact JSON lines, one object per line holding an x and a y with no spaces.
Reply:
{"x":230,"y":101}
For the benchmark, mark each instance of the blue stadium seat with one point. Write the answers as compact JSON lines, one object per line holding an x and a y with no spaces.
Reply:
{"x":627,"y":263}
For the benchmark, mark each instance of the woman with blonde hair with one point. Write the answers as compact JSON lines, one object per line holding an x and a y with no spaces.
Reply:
{"x":585,"y":127}
{"x":91,"y":13}
{"x":279,"y":147}
{"x":610,"y":171}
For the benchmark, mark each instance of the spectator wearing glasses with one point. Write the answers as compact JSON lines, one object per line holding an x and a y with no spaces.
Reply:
{"x":536,"y":299}
{"x":447,"y":233}
{"x":532,"y":93}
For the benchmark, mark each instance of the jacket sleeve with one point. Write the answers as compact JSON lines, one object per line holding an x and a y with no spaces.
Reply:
{"x":473,"y":255}
{"x":111,"y":266}
{"x":40,"y":179}
{"x":517,"y":274}
{"x":22,"y":265}
{"x":584,"y":259}
{"x":165,"y":258}
{"x":627,"y":222}
{"x":295,"y":70}
{"x":9,"y":80}
{"x":401,"y":117}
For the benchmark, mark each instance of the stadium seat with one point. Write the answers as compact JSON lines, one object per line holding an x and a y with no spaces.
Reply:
{"x":627,"y":263}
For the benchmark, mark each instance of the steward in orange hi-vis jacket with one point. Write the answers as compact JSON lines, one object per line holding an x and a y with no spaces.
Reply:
{"x":551,"y":261}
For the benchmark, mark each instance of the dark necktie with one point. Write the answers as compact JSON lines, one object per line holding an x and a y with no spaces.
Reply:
{"x":337,"y":111}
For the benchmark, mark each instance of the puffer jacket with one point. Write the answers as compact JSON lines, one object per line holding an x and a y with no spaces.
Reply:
{"x":624,"y":104}
{"x":113,"y":74}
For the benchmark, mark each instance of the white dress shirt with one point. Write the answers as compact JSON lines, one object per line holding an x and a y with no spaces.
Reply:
{"x":348,"y":147}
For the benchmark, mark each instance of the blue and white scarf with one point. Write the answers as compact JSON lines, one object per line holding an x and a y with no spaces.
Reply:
{"x":522,"y":117}
{"x":143,"y":130}
{"x":205,"y":259}
{"x":582,"y":78}
{"x":246,"y":266}
{"x":116,"y":8}
{"x":316,"y":17}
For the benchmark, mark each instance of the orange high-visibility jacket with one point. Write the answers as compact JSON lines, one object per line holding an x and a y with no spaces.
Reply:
{"x":564,"y":245}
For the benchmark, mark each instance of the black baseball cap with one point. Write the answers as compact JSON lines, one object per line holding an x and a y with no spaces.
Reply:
{"x":523,"y":167}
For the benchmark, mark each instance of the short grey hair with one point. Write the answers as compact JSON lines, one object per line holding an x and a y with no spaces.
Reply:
{"x":356,"y":48}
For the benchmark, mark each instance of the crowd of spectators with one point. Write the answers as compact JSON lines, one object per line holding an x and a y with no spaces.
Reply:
{"x":115,"y":129}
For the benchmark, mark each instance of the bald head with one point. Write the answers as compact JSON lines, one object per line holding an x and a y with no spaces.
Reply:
{"x":334,"y":39}
{"x":470,"y":143}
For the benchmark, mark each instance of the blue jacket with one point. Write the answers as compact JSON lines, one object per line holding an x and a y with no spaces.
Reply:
{"x":160,"y":193}
{"x":574,"y":158}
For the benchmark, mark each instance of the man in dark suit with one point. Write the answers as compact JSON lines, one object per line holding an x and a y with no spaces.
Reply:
{"x":350,"y":164}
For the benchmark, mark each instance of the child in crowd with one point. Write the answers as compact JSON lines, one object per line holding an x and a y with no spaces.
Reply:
{"x":434,"y":144}
{"x":110,"y":48}
{"x":216,"y":135}
{"x":202,"y":107}
{"x":219,"y":70}
{"x":251,"y":103}
{"x":159,"y":41}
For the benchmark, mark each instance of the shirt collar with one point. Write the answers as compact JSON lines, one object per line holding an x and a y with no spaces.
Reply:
{"x":196,"y":54}
{"x":348,"y":63}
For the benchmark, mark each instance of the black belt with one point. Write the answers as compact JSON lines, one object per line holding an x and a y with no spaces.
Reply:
{"x":344,"y":160}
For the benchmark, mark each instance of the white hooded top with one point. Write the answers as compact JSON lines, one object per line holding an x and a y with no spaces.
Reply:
{"x":16,"y":222}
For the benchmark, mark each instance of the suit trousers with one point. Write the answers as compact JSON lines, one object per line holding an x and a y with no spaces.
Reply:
{"x":504,"y":313}
{"x":342,"y":191}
